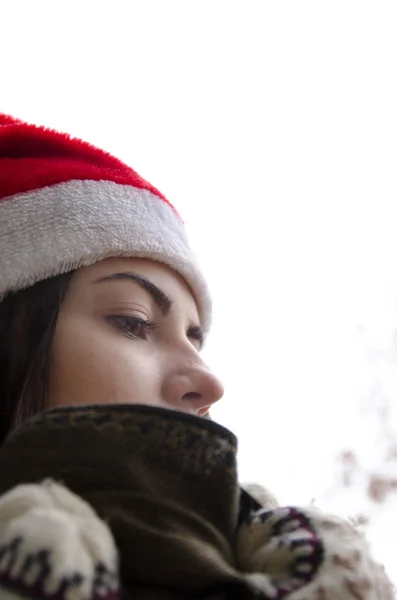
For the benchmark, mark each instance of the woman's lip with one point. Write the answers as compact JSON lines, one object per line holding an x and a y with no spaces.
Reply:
{"x":185,"y":406}
{"x":193,"y":410}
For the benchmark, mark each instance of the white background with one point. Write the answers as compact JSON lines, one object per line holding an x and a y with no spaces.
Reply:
{"x":272,"y":127}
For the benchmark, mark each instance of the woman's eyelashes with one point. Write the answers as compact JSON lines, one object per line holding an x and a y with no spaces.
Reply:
{"x":196,"y":333}
{"x":137,"y":328}
{"x":133,"y":327}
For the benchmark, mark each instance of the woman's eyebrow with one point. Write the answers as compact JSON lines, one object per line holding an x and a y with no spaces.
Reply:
{"x":163,"y":301}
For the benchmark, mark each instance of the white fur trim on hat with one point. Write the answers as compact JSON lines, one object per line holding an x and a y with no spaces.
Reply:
{"x":55,"y":229}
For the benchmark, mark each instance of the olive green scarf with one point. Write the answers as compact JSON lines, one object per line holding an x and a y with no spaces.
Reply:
{"x":165,"y":482}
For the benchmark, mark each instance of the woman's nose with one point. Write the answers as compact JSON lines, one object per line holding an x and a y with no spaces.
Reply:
{"x":193,"y":388}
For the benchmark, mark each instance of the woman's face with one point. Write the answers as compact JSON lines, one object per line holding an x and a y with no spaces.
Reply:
{"x":128,"y":332}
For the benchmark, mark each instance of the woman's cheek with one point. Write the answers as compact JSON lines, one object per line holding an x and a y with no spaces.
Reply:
{"x":93,"y":364}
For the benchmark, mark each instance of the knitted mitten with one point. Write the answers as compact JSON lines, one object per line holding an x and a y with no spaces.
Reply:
{"x":303,"y":554}
{"x":53,"y":545}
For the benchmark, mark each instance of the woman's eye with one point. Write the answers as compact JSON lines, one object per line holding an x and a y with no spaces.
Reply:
{"x":133,"y":327}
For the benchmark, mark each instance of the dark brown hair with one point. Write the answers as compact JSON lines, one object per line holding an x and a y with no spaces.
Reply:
{"x":27,"y":324}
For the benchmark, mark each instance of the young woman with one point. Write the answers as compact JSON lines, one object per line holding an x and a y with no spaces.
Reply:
{"x":114,"y":481}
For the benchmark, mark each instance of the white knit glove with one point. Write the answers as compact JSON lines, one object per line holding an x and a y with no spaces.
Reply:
{"x":302,"y":554}
{"x":52,"y":542}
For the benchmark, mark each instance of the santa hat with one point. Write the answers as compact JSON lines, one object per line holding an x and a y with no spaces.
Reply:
{"x":65,"y":204}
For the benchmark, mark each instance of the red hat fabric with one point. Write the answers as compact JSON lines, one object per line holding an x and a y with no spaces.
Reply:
{"x":65,"y":204}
